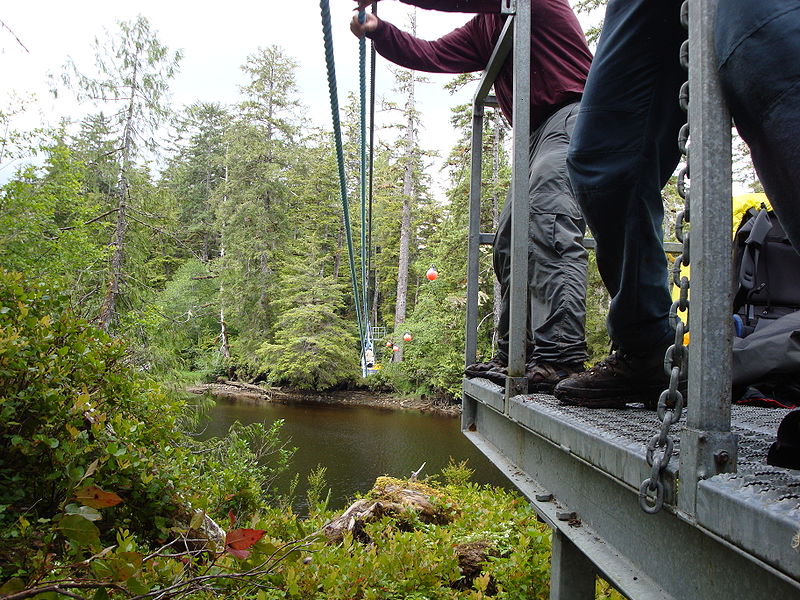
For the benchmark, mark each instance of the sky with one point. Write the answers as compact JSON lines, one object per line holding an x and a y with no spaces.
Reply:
{"x":216,"y":39}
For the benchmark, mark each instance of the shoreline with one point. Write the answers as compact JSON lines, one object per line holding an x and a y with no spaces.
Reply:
{"x":253,"y":394}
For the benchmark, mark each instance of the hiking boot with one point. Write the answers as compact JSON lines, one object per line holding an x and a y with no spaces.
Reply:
{"x":543,"y":376}
{"x":620,"y":379}
{"x":496,"y":364}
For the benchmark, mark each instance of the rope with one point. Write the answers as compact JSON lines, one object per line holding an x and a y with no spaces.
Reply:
{"x":362,"y":55}
{"x":371,"y":142}
{"x":337,"y":134}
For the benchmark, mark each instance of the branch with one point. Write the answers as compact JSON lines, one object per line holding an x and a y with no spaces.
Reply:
{"x":61,"y":588}
{"x":7,"y":28}
{"x":90,"y":221}
{"x":174,"y":238}
{"x":204,"y":277}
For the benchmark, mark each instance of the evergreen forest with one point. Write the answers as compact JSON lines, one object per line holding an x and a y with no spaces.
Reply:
{"x":145,"y":247}
{"x":211,"y":238}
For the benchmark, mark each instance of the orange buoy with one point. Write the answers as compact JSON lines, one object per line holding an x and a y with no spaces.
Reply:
{"x":407,"y":337}
{"x":388,"y":344}
{"x":395,"y":348}
{"x":432,"y":274}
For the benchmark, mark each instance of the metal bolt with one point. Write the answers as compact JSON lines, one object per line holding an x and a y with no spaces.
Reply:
{"x":721,"y":457}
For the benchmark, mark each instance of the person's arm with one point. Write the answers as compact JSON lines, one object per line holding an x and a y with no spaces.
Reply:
{"x":468,"y":6}
{"x":453,"y":53}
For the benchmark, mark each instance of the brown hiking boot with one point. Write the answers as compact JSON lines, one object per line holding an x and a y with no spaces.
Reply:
{"x":543,"y":376}
{"x":620,"y":379}
{"x":495,"y":365}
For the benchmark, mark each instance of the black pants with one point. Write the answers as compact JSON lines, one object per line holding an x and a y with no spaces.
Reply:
{"x":623,"y":152}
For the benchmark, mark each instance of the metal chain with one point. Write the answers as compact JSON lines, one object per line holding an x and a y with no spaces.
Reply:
{"x":676,"y":360}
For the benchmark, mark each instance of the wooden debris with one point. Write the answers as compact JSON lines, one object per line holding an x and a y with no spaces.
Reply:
{"x":389,"y":497}
{"x":471,"y":558}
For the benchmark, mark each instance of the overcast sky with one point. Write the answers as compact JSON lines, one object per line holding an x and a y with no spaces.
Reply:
{"x":216,"y":39}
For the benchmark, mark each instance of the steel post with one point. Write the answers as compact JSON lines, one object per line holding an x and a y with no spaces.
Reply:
{"x":572,"y":575}
{"x":708,"y":447}
{"x":474,"y":236}
{"x":519,"y":192}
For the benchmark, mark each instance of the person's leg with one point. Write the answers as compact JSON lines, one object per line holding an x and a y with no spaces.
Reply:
{"x":758,"y":54}
{"x":557,"y":259}
{"x":623,"y":151}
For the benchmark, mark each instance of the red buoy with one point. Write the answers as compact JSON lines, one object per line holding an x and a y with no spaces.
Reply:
{"x":407,"y":337}
{"x":395,"y":348}
{"x":388,"y":344}
{"x":432,"y":274}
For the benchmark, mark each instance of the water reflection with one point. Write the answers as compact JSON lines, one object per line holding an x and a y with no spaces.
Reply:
{"x":358,"y":444}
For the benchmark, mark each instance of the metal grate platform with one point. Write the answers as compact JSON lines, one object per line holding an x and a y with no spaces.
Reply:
{"x":593,"y":461}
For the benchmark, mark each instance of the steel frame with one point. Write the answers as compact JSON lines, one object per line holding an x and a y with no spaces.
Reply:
{"x":709,"y":542}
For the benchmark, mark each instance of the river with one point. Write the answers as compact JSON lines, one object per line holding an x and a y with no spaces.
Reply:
{"x":357,"y":444}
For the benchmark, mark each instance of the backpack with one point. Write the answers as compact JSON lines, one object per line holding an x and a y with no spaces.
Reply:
{"x":766,"y":271}
{"x":766,"y":298}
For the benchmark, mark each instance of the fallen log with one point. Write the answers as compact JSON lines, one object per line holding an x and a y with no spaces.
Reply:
{"x":389,"y":497}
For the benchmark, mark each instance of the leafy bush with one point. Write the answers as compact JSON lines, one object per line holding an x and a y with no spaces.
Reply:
{"x":93,"y":449}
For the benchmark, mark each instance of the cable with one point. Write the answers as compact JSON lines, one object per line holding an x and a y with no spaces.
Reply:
{"x":337,"y":134}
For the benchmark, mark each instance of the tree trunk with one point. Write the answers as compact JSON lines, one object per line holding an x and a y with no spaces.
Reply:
{"x":224,"y":346}
{"x":109,"y":312}
{"x":405,"y":222}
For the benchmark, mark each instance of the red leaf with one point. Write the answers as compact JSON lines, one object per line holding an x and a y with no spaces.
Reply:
{"x":241,"y":539}
{"x":232,"y":517}
{"x":238,"y":553}
{"x":94,"y":497}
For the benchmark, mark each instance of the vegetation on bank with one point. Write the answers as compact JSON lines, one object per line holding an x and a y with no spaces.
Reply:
{"x":105,"y":495}
{"x":225,"y":256}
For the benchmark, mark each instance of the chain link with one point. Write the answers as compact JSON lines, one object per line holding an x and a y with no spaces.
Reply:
{"x":676,"y":359}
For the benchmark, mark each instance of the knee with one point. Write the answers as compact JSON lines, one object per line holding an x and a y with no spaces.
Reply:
{"x":598,"y":172}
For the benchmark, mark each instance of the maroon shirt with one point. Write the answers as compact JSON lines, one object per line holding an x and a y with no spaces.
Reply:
{"x":560,"y":58}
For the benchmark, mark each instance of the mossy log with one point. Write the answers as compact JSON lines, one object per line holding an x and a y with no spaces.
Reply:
{"x":390,"y":497}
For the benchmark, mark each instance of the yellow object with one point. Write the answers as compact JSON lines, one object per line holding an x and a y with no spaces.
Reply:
{"x":740,"y":205}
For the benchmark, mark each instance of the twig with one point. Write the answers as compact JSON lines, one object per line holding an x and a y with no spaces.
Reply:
{"x":61,"y":588}
{"x":7,"y":28}
{"x":90,"y":221}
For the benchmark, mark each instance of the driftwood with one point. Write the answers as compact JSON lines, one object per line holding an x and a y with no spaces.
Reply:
{"x":245,"y":386}
{"x":389,"y":497}
{"x":234,"y":390}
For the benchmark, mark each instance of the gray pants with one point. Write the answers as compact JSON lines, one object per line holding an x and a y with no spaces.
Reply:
{"x":557,"y":260}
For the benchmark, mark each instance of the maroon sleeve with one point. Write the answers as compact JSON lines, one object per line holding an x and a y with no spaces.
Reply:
{"x":455,"y":52}
{"x":468,"y":6}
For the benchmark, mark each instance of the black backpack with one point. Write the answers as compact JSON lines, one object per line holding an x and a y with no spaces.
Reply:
{"x":766,"y":271}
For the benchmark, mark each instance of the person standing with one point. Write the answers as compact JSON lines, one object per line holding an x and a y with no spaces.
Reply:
{"x":624,"y":150}
{"x":557,"y":260}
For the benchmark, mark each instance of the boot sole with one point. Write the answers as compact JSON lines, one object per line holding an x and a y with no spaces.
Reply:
{"x":606,"y":400}
{"x":541,"y":388}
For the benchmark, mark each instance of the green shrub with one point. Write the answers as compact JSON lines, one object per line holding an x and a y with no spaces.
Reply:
{"x":76,"y":415}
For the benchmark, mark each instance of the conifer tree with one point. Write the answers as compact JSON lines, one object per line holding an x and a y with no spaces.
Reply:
{"x":133,"y":73}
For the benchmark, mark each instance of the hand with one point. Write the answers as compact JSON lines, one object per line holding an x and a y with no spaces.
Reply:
{"x":369,"y":25}
{"x":364,"y":3}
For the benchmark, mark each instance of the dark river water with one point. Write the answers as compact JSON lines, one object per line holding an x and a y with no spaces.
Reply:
{"x":358,"y":444}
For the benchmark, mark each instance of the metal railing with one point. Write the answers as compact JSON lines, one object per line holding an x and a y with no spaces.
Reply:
{"x":707,"y":445}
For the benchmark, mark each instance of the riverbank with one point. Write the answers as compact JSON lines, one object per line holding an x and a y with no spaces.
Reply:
{"x":254,"y":394}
